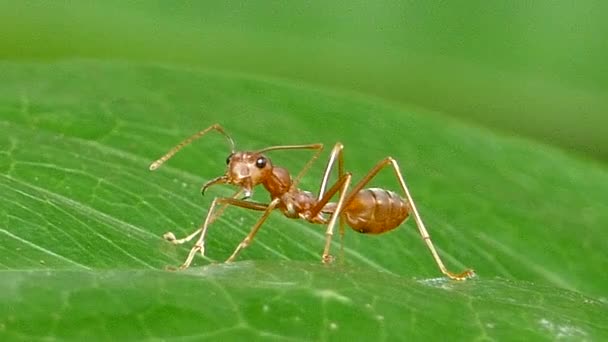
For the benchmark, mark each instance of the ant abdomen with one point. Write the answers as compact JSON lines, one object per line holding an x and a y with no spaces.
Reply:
{"x":375,"y":211}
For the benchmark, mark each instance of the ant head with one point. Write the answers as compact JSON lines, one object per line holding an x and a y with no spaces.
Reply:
{"x":246,"y":170}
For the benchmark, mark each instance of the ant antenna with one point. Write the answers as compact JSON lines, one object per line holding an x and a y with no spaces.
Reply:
{"x":291,"y":147}
{"x":187,"y":142}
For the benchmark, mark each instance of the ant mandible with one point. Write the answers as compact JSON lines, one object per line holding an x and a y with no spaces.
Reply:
{"x":369,"y":211}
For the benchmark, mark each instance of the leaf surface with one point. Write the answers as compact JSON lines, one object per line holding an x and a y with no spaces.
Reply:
{"x":81,"y":217}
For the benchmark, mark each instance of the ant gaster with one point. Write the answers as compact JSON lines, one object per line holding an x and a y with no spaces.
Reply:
{"x":370,"y":211}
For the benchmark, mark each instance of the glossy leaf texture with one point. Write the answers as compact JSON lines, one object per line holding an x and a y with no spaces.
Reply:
{"x":81,"y":216}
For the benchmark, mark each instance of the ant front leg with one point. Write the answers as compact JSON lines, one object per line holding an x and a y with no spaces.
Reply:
{"x":169,"y":236}
{"x":199,"y":246}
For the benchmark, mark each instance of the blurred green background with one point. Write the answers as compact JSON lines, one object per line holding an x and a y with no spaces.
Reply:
{"x":537,"y":69}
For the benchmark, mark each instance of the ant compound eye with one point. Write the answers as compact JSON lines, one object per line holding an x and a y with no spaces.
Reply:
{"x":260,"y":163}
{"x":228,"y":159}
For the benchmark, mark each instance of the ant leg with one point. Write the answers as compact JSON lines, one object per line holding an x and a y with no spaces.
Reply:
{"x":336,"y":153}
{"x":199,"y":246}
{"x":221,"y":210}
{"x":247,"y":240}
{"x":169,"y":236}
{"x":345,"y":180}
{"x":421,"y":228}
{"x":340,"y":186}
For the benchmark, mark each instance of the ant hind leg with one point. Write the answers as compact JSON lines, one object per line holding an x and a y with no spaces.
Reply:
{"x":421,"y":228}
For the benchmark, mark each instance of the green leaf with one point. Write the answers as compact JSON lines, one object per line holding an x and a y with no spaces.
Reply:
{"x":287,"y":299}
{"x":81,"y":217}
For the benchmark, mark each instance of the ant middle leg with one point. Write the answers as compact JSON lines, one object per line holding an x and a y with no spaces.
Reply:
{"x":254,"y":230}
{"x":340,"y":187}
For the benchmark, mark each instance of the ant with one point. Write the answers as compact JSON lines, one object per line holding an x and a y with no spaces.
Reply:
{"x":368,"y":211}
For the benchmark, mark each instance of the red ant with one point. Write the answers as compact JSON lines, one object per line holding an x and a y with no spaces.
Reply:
{"x":370,"y":211}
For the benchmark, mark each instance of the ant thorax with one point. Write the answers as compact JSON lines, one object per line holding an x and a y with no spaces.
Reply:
{"x":278,"y":182}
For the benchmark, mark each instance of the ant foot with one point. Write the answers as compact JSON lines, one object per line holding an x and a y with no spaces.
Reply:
{"x":170,"y":237}
{"x":469,"y":274}
{"x":201,"y":248}
{"x":327,"y":258}
{"x":462,"y":276}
